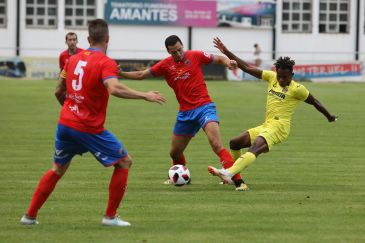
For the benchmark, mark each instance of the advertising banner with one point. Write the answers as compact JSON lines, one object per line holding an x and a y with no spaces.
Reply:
{"x":327,"y":70}
{"x":332,"y":72}
{"x":246,"y":13}
{"x":161,"y":12}
{"x":42,"y":68}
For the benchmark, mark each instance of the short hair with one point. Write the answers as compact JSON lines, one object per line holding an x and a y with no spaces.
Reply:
{"x":70,"y":33}
{"x":172,"y":40}
{"x":284,"y":63}
{"x":98,"y":30}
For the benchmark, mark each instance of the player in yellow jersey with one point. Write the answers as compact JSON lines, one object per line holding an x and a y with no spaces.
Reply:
{"x":283,"y":95}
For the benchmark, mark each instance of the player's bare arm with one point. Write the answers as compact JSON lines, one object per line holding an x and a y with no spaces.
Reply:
{"x":60,"y":91}
{"x":244,"y":66}
{"x":313,"y":101}
{"x":122,"y":91}
{"x":230,"y":64}
{"x":136,"y":75}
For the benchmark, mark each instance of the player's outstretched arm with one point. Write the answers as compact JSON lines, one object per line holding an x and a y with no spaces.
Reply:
{"x":60,"y":91}
{"x":244,"y":66}
{"x":313,"y":101}
{"x":122,"y":91}
{"x":230,"y":64}
{"x":136,"y":75}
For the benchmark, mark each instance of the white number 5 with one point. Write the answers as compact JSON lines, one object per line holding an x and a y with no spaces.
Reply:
{"x":77,"y":85}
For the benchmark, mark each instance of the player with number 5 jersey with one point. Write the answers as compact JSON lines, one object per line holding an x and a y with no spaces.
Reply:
{"x":87,"y":98}
{"x":83,"y":90}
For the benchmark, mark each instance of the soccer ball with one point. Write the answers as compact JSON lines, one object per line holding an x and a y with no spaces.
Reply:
{"x":179,"y":175}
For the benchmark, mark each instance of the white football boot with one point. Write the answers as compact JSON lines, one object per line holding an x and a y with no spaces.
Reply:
{"x":225,"y":175}
{"x":116,"y":221}
{"x":26,"y":220}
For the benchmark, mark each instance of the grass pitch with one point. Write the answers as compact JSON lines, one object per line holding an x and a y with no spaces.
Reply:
{"x":308,"y":189}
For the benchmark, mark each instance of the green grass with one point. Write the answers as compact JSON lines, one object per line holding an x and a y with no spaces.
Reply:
{"x":308,"y":189}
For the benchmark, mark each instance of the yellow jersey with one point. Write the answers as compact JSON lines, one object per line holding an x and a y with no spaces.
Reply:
{"x":282,"y":101}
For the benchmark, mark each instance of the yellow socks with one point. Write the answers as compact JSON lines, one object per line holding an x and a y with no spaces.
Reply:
{"x":242,"y":162}
{"x":235,"y":154}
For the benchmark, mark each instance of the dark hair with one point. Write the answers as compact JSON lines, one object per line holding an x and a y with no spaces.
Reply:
{"x":172,"y":40}
{"x":70,"y":33}
{"x":284,"y":63}
{"x":98,"y":30}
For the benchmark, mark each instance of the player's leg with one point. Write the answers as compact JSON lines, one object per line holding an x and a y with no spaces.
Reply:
{"x":262,"y":139}
{"x":109,"y":151}
{"x":207,"y":118}
{"x":45,"y":187}
{"x":258,"y":147}
{"x":211,"y":129}
{"x":239,"y":142}
{"x":184,"y":130}
{"x":117,"y":187}
{"x":177,"y":148}
{"x":243,"y":140}
{"x":65,"y":149}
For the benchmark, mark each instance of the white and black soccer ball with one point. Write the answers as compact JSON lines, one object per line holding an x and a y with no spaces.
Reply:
{"x":179,"y":175}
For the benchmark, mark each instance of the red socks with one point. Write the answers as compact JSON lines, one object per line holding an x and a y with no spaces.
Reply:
{"x":227,"y":161}
{"x":181,"y":161}
{"x":49,"y":180}
{"x":45,"y":187}
{"x":117,"y":187}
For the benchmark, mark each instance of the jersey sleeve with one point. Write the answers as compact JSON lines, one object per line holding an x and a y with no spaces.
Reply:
{"x":301,"y":92}
{"x":157,"y":70}
{"x":268,"y":76}
{"x":109,"y":69}
{"x":203,"y":57}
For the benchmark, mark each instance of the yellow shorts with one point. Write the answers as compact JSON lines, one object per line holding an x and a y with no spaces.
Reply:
{"x":274,"y":131}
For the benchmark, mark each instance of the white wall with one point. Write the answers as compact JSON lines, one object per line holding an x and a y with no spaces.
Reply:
{"x":362,"y":30}
{"x":35,"y":42}
{"x":141,"y":42}
{"x":318,"y":46}
{"x":147,"y":42}
{"x":8,"y":34}
{"x":239,"y":41}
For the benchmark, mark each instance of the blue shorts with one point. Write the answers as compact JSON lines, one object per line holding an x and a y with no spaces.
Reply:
{"x":189,"y":122}
{"x":105,"y":147}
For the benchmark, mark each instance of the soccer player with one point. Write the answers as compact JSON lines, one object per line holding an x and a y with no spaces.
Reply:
{"x":283,"y":95}
{"x":183,"y":73}
{"x":83,"y":91}
{"x":72,"y":49}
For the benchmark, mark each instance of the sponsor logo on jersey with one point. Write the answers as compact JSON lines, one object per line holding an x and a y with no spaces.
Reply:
{"x":278,"y":94}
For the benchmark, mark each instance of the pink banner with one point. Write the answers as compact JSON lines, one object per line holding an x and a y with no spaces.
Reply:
{"x":193,"y":13}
